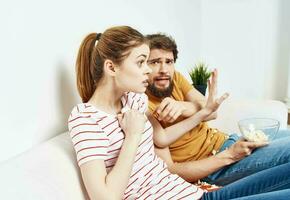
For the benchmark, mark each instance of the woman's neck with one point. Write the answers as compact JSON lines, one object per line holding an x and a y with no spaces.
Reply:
{"x":107,"y":99}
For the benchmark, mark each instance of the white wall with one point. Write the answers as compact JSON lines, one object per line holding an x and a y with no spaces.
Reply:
{"x":39,"y":42}
{"x":284,"y":50}
{"x":247,"y":41}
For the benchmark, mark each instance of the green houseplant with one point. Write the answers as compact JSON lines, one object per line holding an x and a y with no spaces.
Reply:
{"x":199,"y":75}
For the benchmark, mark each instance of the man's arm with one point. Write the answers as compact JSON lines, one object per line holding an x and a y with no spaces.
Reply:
{"x":170,"y":109}
{"x":192,"y":171}
{"x":197,"y":101}
{"x":164,"y":137}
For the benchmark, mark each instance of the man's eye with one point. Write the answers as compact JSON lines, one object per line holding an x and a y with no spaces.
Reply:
{"x":155,"y":62}
{"x":169,"y":62}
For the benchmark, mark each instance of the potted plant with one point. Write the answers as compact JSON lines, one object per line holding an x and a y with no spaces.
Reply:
{"x":199,"y":75}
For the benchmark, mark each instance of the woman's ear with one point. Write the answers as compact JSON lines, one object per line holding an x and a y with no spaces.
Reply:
{"x":109,"y":67}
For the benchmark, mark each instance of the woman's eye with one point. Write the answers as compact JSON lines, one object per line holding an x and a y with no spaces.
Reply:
{"x":140,"y":63}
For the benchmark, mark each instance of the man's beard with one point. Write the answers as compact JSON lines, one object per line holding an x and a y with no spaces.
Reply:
{"x":160,"y":93}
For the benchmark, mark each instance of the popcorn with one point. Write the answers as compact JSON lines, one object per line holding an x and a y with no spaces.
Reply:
{"x":259,"y":129}
{"x":255,"y":135}
{"x":206,"y":186}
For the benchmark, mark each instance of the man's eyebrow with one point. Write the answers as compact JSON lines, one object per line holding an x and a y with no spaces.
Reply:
{"x":154,"y":59}
{"x":169,"y":59}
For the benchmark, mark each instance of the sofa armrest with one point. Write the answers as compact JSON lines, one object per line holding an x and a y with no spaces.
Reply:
{"x":231,"y":111}
{"x":47,"y":171}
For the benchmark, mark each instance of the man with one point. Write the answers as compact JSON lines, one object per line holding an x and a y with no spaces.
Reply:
{"x":198,"y":151}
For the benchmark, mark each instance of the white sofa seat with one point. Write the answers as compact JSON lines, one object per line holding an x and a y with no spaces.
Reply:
{"x":49,"y":171}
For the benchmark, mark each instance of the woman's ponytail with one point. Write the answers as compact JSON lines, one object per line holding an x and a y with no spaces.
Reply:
{"x":85,"y":80}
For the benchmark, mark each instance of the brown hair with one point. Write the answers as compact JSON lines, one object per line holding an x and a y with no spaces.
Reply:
{"x":164,"y":42}
{"x":114,"y":44}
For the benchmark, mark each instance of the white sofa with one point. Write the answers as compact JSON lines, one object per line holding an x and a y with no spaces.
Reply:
{"x":49,"y":171}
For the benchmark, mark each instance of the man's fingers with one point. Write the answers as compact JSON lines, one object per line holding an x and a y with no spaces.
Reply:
{"x":161,"y":106}
{"x":165,"y":112}
{"x":176,"y":115}
{"x":214,"y":77}
{"x":247,"y":152}
{"x":173,"y":116}
{"x":215,"y":72}
{"x":254,"y":145}
{"x":210,"y":90}
{"x":222,"y":98}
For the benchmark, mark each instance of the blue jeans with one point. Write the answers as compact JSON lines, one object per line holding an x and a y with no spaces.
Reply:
{"x":274,"y":154}
{"x":272,"y":184}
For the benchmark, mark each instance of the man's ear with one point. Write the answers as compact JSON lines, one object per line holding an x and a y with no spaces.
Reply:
{"x":109,"y":67}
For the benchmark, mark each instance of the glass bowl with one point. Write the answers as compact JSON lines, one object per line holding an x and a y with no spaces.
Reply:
{"x":259,"y":129}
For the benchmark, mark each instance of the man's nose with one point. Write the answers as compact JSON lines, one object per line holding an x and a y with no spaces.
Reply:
{"x":163,"y":67}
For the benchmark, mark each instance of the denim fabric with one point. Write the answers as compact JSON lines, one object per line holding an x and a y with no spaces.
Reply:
{"x":273,"y":183}
{"x":276,"y":153}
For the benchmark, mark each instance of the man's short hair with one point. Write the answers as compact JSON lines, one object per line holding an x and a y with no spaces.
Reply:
{"x":164,"y":42}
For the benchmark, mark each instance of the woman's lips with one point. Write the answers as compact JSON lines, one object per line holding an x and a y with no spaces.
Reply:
{"x":145,"y":83}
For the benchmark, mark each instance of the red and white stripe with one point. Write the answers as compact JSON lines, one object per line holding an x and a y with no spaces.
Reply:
{"x":97,"y":135}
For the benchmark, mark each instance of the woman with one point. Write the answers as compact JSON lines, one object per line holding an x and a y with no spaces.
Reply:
{"x":112,"y":136}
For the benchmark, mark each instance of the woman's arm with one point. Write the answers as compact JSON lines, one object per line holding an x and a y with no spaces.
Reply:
{"x":101,"y":185}
{"x":111,"y":186}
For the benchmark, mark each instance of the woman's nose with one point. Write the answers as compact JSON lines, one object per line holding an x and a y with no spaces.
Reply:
{"x":148,"y":69}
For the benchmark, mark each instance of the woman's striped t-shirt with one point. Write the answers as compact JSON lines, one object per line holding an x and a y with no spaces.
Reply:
{"x":97,"y":135}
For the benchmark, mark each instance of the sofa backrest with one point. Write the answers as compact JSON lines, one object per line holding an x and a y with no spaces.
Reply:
{"x":232,"y":110}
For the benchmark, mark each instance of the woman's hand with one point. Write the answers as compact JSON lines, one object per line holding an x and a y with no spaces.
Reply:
{"x":132,"y":123}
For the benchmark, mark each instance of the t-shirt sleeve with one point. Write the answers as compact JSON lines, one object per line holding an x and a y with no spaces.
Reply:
{"x":183,"y":83}
{"x":89,"y":140}
{"x":138,"y":101}
{"x":143,"y":103}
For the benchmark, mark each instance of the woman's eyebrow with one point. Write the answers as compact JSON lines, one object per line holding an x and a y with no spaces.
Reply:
{"x":142,"y":55}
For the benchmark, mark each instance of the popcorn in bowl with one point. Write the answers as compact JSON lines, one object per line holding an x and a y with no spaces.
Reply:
{"x":255,"y":135}
{"x":259,"y":129}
